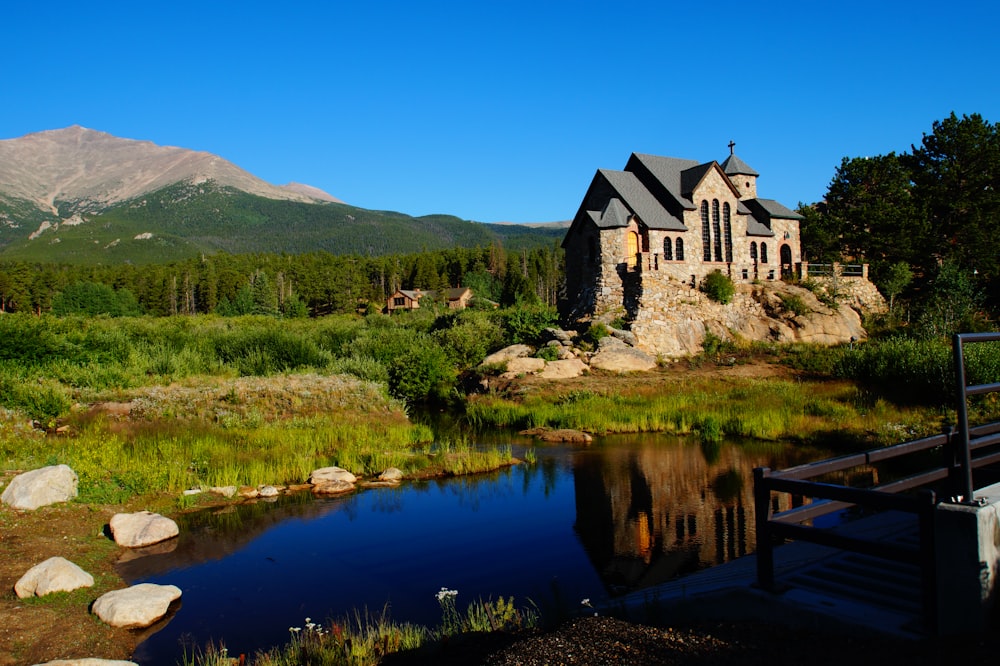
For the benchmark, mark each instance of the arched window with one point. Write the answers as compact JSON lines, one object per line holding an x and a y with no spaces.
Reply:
{"x":763,"y":253}
{"x":668,"y":248}
{"x":716,"y":230}
{"x":727,"y":227}
{"x":753,"y":251}
{"x":680,"y":249}
{"x":706,"y":234}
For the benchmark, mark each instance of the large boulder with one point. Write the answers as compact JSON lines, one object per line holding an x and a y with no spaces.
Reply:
{"x":507,"y":354}
{"x":41,"y":487}
{"x":327,"y":474}
{"x":137,"y":606}
{"x":144,"y":528}
{"x":622,"y":359}
{"x":56,"y":574}
{"x":335,"y":487}
{"x":524,"y":366}
{"x":564,"y":369}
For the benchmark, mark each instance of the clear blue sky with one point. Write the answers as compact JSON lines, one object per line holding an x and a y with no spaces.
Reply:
{"x":501,"y":111}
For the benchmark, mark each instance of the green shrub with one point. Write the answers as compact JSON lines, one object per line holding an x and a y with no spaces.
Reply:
{"x":793,"y":303}
{"x":548,"y":353}
{"x":718,"y":287}
{"x":903,"y":369}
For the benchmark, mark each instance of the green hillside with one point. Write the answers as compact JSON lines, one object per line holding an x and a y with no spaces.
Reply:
{"x":184,"y":221}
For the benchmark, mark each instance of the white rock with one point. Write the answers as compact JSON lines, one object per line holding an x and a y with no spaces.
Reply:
{"x":225,"y":491}
{"x":41,"y":487}
{"x":564,"y":369}
{"x":56,"y":574}
{"x":335,"y":487}
{"x":88,"y":661}
{"x":508,"y":353}
{"x":525,"y":366}
{"x":135,"y":530}
{"x":622,"y":359}
{"x":324,"y":474}
{"x":137,"y":606}
{"x":392,"y":474}
{"x":269,"y":491}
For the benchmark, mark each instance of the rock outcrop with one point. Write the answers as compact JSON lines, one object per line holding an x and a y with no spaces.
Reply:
{"x":56,"y":574}
{"x":41,"y":487}
{"x":332,"y":481}
{"x":137,"y":606}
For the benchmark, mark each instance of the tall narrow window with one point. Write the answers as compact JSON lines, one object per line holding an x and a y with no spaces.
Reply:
{"x":668,"y":248}
{"x":716,"y":230}
{"x":753,"y":251}
{"x":727,"y":227}
{"x":706,"y":235}
{"x":763,"y":253}
{"x":680,"y":249}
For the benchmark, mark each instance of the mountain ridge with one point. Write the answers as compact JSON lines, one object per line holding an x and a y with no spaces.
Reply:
{"x":88,"y":170}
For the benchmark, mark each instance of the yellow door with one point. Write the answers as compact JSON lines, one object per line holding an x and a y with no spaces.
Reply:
{"x":633,"y":249}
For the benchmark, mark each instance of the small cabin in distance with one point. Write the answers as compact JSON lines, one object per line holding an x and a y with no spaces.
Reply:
{"x":409,"y":299}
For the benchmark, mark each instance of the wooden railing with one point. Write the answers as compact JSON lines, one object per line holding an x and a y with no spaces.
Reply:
{"x":962,"y":448}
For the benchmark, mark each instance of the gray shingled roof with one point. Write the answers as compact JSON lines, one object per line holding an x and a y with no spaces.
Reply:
{"x":668,"y":171}
{"x":638,"y":199}
{"x":615,"y":214}
{"x":775,"y":209}
{"x":735,"y":166}
{"x":762,"y":211}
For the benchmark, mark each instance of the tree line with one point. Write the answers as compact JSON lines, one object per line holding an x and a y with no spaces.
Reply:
{"x":309,"y":284}
{"x":927,"y":220}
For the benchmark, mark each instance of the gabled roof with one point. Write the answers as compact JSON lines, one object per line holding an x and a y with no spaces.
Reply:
{"x":615,"y":214}
{"x":762,"y":211}
{"x":639,"y":201}
{"x":666,"y":170}
{"x":775,"y":209}
{"x":734,"y":166}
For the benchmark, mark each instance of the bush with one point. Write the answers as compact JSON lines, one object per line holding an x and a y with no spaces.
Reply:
{"x":793,"y":303}
{"x":903,"y":369}
{"x":718,"y":287}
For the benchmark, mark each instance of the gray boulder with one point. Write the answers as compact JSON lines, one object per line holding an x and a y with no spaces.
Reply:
{"x":41,"y":487}
{"x":137,"y":606}
{"x":56,"y":574}
{"x":135,"y":530}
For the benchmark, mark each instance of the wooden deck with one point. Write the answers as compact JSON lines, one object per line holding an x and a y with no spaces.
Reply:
{"x":817,"y":587}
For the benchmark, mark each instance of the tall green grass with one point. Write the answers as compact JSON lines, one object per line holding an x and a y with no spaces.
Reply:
{"x":763,"y":409}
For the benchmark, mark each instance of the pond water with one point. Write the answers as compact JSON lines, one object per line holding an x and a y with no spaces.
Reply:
{"x":596,"y":521}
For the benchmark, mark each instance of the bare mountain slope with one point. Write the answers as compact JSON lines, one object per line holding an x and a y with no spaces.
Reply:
{"x":91,"y":170}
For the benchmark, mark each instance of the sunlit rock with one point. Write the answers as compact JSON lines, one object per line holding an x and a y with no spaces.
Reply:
{"x":137,"y":606}
{"x":56,"y":574}
{"x":326,"y":474}
{"x":135,"y":530}
{"x":41,"y":487}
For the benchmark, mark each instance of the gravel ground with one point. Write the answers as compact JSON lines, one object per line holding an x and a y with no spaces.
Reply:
{"x":607,"y":641}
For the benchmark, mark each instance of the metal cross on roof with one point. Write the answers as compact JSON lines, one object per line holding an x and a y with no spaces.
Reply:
{"x":732,"y":146}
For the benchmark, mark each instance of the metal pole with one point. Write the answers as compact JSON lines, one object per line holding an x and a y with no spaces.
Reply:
{"x":963,"y":454}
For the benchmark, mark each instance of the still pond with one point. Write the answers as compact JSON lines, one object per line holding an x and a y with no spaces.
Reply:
{"x":581,"y":522}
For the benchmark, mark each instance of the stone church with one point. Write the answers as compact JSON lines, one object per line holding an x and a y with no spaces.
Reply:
{"x":663,"y":222}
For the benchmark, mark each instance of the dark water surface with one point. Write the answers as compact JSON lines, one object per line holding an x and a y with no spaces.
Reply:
{"x":581,"y":522}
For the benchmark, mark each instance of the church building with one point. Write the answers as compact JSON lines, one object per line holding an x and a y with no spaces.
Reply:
{"x":667,"y":220}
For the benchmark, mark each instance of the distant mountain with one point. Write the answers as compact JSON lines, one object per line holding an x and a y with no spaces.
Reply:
{"x":80,"y":196}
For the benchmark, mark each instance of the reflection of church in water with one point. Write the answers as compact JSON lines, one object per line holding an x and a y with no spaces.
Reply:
{"x":650,"y":514}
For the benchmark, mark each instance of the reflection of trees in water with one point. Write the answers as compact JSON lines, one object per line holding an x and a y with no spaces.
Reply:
{"x":664,"y":507}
